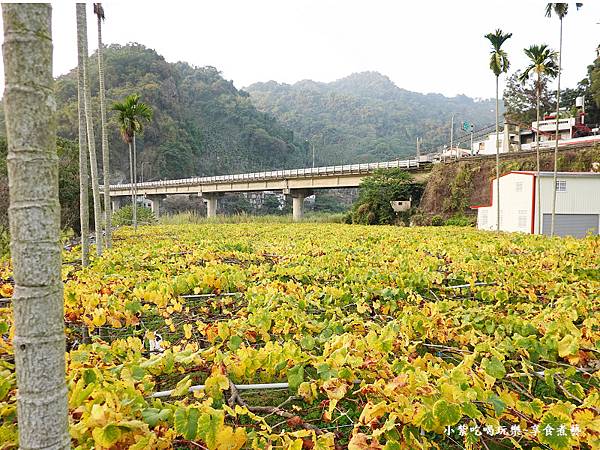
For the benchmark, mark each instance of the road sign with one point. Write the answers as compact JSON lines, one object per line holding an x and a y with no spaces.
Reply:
{"x":466,"y":126}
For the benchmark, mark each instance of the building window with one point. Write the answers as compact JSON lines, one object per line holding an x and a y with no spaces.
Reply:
{"x":519,"y":186}
{"x":522,"y":218}
{"x":561,"y":186}
{"x":483,"y":217}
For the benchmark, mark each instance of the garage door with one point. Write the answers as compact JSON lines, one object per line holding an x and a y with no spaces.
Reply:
{"x":577,"y":225}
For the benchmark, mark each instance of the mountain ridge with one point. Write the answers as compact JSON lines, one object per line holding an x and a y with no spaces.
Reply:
{"x":369,"y":108}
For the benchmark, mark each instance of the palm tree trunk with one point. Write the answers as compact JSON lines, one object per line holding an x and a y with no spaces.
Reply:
{"x":537,"y":150}
{"x":83,"y":48}
{"x":556,"y":137}
{"x":134,"y":185}
{"x":131,"y":179}
{"x":497,"y":163}
{"x":84,"y":179}
{"x":105,"y":150}
{"x":34,"y":214}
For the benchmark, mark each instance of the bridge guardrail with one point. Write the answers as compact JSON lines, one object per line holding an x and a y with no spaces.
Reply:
{"x":276,"y":174}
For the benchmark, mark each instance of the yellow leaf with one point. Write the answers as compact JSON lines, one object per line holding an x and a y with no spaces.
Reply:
{"x":187,"y":330}
{"x":97,"y":415}
{"x":371,"y":412}
{"x":227,"y":439}
{"x":99,"y":317}
{"x":182,"y":387}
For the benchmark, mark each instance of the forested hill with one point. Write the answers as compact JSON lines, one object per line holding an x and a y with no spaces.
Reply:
{"x":202,"y":124}
{"x":365,"y":116}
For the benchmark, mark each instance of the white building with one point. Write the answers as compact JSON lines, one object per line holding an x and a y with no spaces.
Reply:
{"x":577,"y":203}
{"x":487,"y":146}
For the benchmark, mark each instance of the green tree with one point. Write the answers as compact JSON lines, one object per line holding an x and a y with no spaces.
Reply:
{"x":34,"y":215}
{"x":378,"y":190}
{"x":499,"y":64}
{"x":99,"y":11}
{"x":519,"y":99}
{"x":82,"y":48}
{"x":560,"y":10}
{"x":132,"y":113}
{"x":543,"y":65}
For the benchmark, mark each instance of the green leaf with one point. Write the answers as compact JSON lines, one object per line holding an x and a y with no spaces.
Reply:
{"x":307,"y":342}
{"x":138,"y":373}
{"x":89,"y":376}
{"x":551,"y":432}
{"x":446,"y":413}
{"x":154,"y":415}
{"x":235,"y":342}
{"x":295,"y":376}
{"x":106,"y":436}
{"x":574,"y":389}
{"x":186,"y":422}
{"x":209,"y":426}
{"x":497,"y":403}
{"x":493,"y":367}
{"x":392,"y":445}
{"x":471,"y":410}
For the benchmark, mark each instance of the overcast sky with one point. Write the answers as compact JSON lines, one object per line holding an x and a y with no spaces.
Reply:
{"x":424,"y":46}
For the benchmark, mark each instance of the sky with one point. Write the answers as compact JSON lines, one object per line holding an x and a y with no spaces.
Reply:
{"x":424,"y":46}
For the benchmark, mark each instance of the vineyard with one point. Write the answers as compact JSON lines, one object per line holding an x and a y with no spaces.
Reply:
{"x":327,"y":336}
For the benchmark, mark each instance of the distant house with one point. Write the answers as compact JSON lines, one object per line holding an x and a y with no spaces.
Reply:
{"x":577,"y":203}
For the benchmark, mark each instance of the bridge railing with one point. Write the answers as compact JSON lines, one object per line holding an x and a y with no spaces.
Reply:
{"x":277,"y":174}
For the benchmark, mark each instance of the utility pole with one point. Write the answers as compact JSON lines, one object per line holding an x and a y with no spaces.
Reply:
{"x":313,"y":152}
{"x":471,"y":140}
{"x":451,"y":134}
{"x":418,"y":148}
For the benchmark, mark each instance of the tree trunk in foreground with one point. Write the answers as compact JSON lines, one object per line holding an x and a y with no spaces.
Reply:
{"x":557,"y":133}
{"x":105,"y":151}
{"x":34,"y":213}
{"x":82,"y":49}
{"x":130,"y":145}
{"x":537,"y":155}
{"x":84,"y":179}
{"x":497,"y":164}
{"x":134,"y":185}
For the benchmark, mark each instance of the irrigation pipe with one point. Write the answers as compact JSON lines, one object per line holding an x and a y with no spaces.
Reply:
{"x":460,"y":286}
{"x":239,"y":387}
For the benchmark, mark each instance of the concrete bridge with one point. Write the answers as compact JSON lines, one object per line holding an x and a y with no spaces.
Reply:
{"x":298,"y":183}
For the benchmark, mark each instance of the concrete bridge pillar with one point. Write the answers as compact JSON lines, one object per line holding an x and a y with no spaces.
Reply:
{"x":157,"y":200}
{"x":298,"y":196}
{"x":211,"y":204}
{"x":118,"y":202}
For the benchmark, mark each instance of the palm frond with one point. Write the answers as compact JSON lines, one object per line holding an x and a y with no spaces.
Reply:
{"x":99,"y":10}
{"x":559,"y":9}
{"x":131,"y":113}
{"x":542,"y":60}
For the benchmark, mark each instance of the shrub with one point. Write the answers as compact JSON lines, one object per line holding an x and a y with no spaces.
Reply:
{"x":124,"y":216}
{"x":437,"y":221}
{"x":4,"y":241}
{"x":461,"y":221}
{"x":378,"y":190}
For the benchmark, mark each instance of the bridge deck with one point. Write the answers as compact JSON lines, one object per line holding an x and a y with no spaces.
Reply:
{"x":349,"y":174}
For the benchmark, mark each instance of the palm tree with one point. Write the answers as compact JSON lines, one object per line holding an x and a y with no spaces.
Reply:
{"x":498,"y":64}
{"x":543,"y":65}
{"x":560,"y":9}
{"x":82,"y":49}
{"x":131,"y":114}
{"x":99,"y":11}
{"x":84,"y":179}
{"x":34,"y":213}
